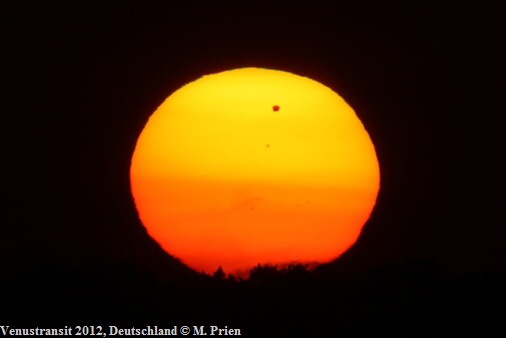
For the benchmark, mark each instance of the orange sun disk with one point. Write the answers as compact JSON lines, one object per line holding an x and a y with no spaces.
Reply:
{"x":254,"y":166}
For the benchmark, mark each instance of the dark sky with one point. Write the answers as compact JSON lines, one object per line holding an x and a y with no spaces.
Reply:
{"x":81,"y":79}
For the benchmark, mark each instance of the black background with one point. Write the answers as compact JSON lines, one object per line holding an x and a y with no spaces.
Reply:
{"x":80,"y":80}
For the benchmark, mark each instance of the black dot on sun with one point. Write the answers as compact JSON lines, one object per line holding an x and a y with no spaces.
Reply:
{"x":275,"y":108}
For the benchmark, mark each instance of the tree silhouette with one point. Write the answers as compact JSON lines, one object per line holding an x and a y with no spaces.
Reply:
{"x":296,"y":271}
{"x":263,"y":273}
{"x":219,"y":274}
{"x":231,"y":278}
{"x":269,"y":273}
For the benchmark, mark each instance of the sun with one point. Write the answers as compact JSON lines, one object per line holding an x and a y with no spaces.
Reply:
{"x":254,"y":166}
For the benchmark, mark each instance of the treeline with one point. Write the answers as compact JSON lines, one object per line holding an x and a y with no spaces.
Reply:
{"x":293,"y":299}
